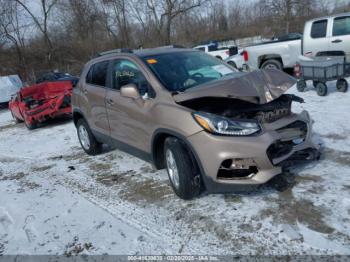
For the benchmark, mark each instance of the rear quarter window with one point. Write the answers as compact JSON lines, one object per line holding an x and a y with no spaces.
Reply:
{"x":97,"y":74}
{"x":319,"y":29}
{"x":341,"y":26}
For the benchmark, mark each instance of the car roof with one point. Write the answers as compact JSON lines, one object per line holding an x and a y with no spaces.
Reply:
{"x":142,"y":52}
{"x":329,"y":16}
{"x":161,"y":50}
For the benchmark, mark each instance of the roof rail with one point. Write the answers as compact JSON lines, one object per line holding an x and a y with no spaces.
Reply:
{"x":114,"y":51}
{"x":170,"y":46}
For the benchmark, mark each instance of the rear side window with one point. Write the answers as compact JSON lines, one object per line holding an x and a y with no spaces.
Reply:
{"x":319,"y":29}
{"x":201,"y":49}
{"x":341,"y":26}
{"x":212,"y":48}
{"x":97,"y":74}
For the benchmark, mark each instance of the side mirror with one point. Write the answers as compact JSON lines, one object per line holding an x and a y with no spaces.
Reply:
{"x":130,"y":90}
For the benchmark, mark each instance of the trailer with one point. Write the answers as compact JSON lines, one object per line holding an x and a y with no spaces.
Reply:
{"x":322,"y":70}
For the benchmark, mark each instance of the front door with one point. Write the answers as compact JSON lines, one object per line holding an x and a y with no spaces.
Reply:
{"x":340,"y":39}
{"x":129,"y":119}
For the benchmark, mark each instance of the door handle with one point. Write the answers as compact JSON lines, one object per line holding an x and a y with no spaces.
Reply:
{"x":337,"y":41}
{"x":109,"y":101}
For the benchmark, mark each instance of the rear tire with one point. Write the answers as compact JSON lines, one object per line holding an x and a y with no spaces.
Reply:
{"x":342,"y":85}
{"x":87,"y":140}
{"x":272,"y":64}
{"x":321,"y":89}
{"x":184,"y":176}
{"x":301,"y":85}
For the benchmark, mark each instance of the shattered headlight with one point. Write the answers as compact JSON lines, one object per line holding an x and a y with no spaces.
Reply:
{"x":224,"y":126}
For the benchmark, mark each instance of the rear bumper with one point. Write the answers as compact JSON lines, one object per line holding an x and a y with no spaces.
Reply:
{"x":217,"y":149}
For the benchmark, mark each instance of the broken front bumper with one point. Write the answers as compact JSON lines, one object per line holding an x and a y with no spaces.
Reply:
{"x":254,"y":159}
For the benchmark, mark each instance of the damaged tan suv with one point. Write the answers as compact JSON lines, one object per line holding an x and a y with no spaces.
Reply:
{"x":213,"y":128}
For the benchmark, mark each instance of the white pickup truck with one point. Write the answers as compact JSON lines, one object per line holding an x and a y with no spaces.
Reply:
{"x":326,"y":36}
{"x":221,"y":53}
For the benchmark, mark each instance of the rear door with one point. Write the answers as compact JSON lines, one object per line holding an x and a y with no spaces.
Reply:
{"x":93,"y":97}
{"x":316,"y":41}
{"x":340,"y":35}
{"x":129,"y":119}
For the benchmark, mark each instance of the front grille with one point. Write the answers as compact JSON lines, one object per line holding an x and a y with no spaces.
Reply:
{"x":291,"y":135}
{"x":279,"y":149}
{"x":272,"y":116}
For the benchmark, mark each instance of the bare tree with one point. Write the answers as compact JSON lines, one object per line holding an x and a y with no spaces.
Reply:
{"x":164,"y":12}
{"x":12,"y":30}
{"x":46,"y":9}
{"x":119,"y":17}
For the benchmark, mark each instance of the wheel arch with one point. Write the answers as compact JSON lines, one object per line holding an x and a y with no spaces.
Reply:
{"x":232,"y":63}
{"x":77,"y":114}
{"x":157,"y":144}
{"x":263,"y":58}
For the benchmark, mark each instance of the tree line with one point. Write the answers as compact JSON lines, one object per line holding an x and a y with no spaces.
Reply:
{"x":37,"y":36}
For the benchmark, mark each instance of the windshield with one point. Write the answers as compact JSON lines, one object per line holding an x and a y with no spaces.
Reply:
{"x":182,"y":70}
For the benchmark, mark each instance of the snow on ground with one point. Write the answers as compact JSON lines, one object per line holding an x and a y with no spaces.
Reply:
{"x":55,"y":199}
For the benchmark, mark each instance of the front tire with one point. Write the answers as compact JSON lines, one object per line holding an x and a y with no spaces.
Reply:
{"x":183,"y":173}
{"x":30,"y":126}
{"x":87,"y":140}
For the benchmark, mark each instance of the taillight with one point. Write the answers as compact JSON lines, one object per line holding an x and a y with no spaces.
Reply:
{"x":297,"y":70}
{"x":227,"y":52}
{"x":245,"y":56}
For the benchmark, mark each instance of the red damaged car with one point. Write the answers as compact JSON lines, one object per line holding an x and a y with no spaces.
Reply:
{"x":39,"y":102}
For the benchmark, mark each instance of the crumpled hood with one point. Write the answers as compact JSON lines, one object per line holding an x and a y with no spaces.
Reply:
{"x":259,"y":87}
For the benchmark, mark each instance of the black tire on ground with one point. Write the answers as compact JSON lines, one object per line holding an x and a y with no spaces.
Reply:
{"x":219,"y":57}
{"x":17,"y":120}
{"x":342,"y":85}
{"x":272,"y":64}
{"x":321,"y":89}
{"x":233,"y":64}
{"x":189,"y":184}
{"x":314,"y":83}
{"x":30,"y":126}
{"x":93,"y":147}
{"x":301,"y":85}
